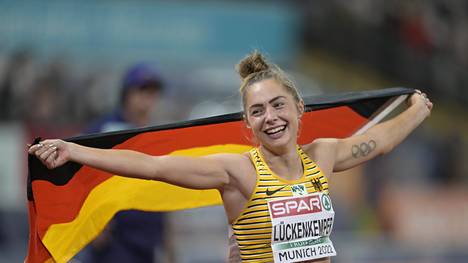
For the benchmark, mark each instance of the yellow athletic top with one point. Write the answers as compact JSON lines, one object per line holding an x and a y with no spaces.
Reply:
{"x":253,"y":228}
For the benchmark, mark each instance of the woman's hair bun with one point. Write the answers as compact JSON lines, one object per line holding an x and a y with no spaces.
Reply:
{"x":254,"y":62}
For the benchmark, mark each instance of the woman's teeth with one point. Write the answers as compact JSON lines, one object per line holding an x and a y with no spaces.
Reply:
{"x":275,"y":130}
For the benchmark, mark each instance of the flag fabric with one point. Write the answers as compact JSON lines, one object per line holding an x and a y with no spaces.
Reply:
{"x":70,"y":205}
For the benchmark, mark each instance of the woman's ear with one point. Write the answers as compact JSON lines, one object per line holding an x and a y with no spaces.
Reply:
{"x":246,"y":121}
{"x":300,"y":108}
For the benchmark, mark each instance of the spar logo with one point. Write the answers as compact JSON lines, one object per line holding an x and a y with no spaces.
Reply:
{"x":295,"y":206}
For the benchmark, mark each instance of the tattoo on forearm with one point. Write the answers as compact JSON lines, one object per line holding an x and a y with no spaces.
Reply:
{"x":363,"y":149}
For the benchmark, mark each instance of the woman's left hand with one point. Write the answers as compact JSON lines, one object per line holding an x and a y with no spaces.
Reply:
{"x":420,"y":98}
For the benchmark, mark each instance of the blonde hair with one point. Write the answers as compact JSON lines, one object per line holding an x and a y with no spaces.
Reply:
{"x":254,"y":68}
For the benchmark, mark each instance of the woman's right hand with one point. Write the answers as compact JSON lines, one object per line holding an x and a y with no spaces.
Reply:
{"x":52,"y":153}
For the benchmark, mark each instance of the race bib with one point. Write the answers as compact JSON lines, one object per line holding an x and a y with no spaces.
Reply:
{"x":301,"y":226}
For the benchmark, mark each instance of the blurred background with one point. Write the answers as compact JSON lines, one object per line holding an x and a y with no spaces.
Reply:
{"x":62,"y":64}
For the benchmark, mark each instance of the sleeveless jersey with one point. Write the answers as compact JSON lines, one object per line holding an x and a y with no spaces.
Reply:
{"x":277,"y":199}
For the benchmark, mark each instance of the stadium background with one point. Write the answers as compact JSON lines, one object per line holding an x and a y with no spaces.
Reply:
{"x":61,"y":64}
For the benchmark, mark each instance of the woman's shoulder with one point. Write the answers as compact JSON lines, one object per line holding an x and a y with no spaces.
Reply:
{"x":231,"y":158}
{"x":322,"y":151}
{"x":234,"y":163}
{"x":317,"y":146}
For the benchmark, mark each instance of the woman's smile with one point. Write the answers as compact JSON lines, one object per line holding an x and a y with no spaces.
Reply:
{"x":276,"y":132}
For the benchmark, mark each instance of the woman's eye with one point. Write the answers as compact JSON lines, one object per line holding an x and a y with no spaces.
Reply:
{"x":278,"y":105}
{"x":256,"y":112}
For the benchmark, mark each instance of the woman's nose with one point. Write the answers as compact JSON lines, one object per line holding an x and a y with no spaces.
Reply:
{"x":270,"y":114}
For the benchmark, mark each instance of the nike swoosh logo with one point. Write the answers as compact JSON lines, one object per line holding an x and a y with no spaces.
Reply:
{"x":269,"y":193}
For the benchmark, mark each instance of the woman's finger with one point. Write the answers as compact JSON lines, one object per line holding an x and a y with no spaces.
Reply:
{"x":34,"y":148}
{"x":46,"y":146}
{"x":45,"y":154}
{"x":50,"y":159}
{"x":41,"y":148}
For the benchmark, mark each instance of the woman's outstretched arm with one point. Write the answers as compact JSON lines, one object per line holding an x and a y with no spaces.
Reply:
{"x":192,"y":172}
{"x":342,"y":154}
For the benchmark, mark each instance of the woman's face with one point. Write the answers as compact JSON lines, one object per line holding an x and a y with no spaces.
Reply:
{"x":272,"y":114}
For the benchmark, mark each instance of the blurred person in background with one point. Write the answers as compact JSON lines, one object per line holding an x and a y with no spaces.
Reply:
{"x":141,"y":88}
{"x":276,"y":168}
{"x":16,"y":82}
{"x":131,"y":236}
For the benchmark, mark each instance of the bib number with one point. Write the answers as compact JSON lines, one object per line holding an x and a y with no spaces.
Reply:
{"x":301,"y":226}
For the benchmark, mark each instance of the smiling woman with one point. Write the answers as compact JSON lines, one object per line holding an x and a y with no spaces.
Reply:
{"x":275,"y":195}
{"x":274,"y":115}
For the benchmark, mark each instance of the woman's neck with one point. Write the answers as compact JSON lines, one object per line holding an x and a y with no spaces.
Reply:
{"x":285,"y":163}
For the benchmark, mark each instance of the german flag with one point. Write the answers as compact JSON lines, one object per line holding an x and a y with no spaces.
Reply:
{"x":69,"y":206}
